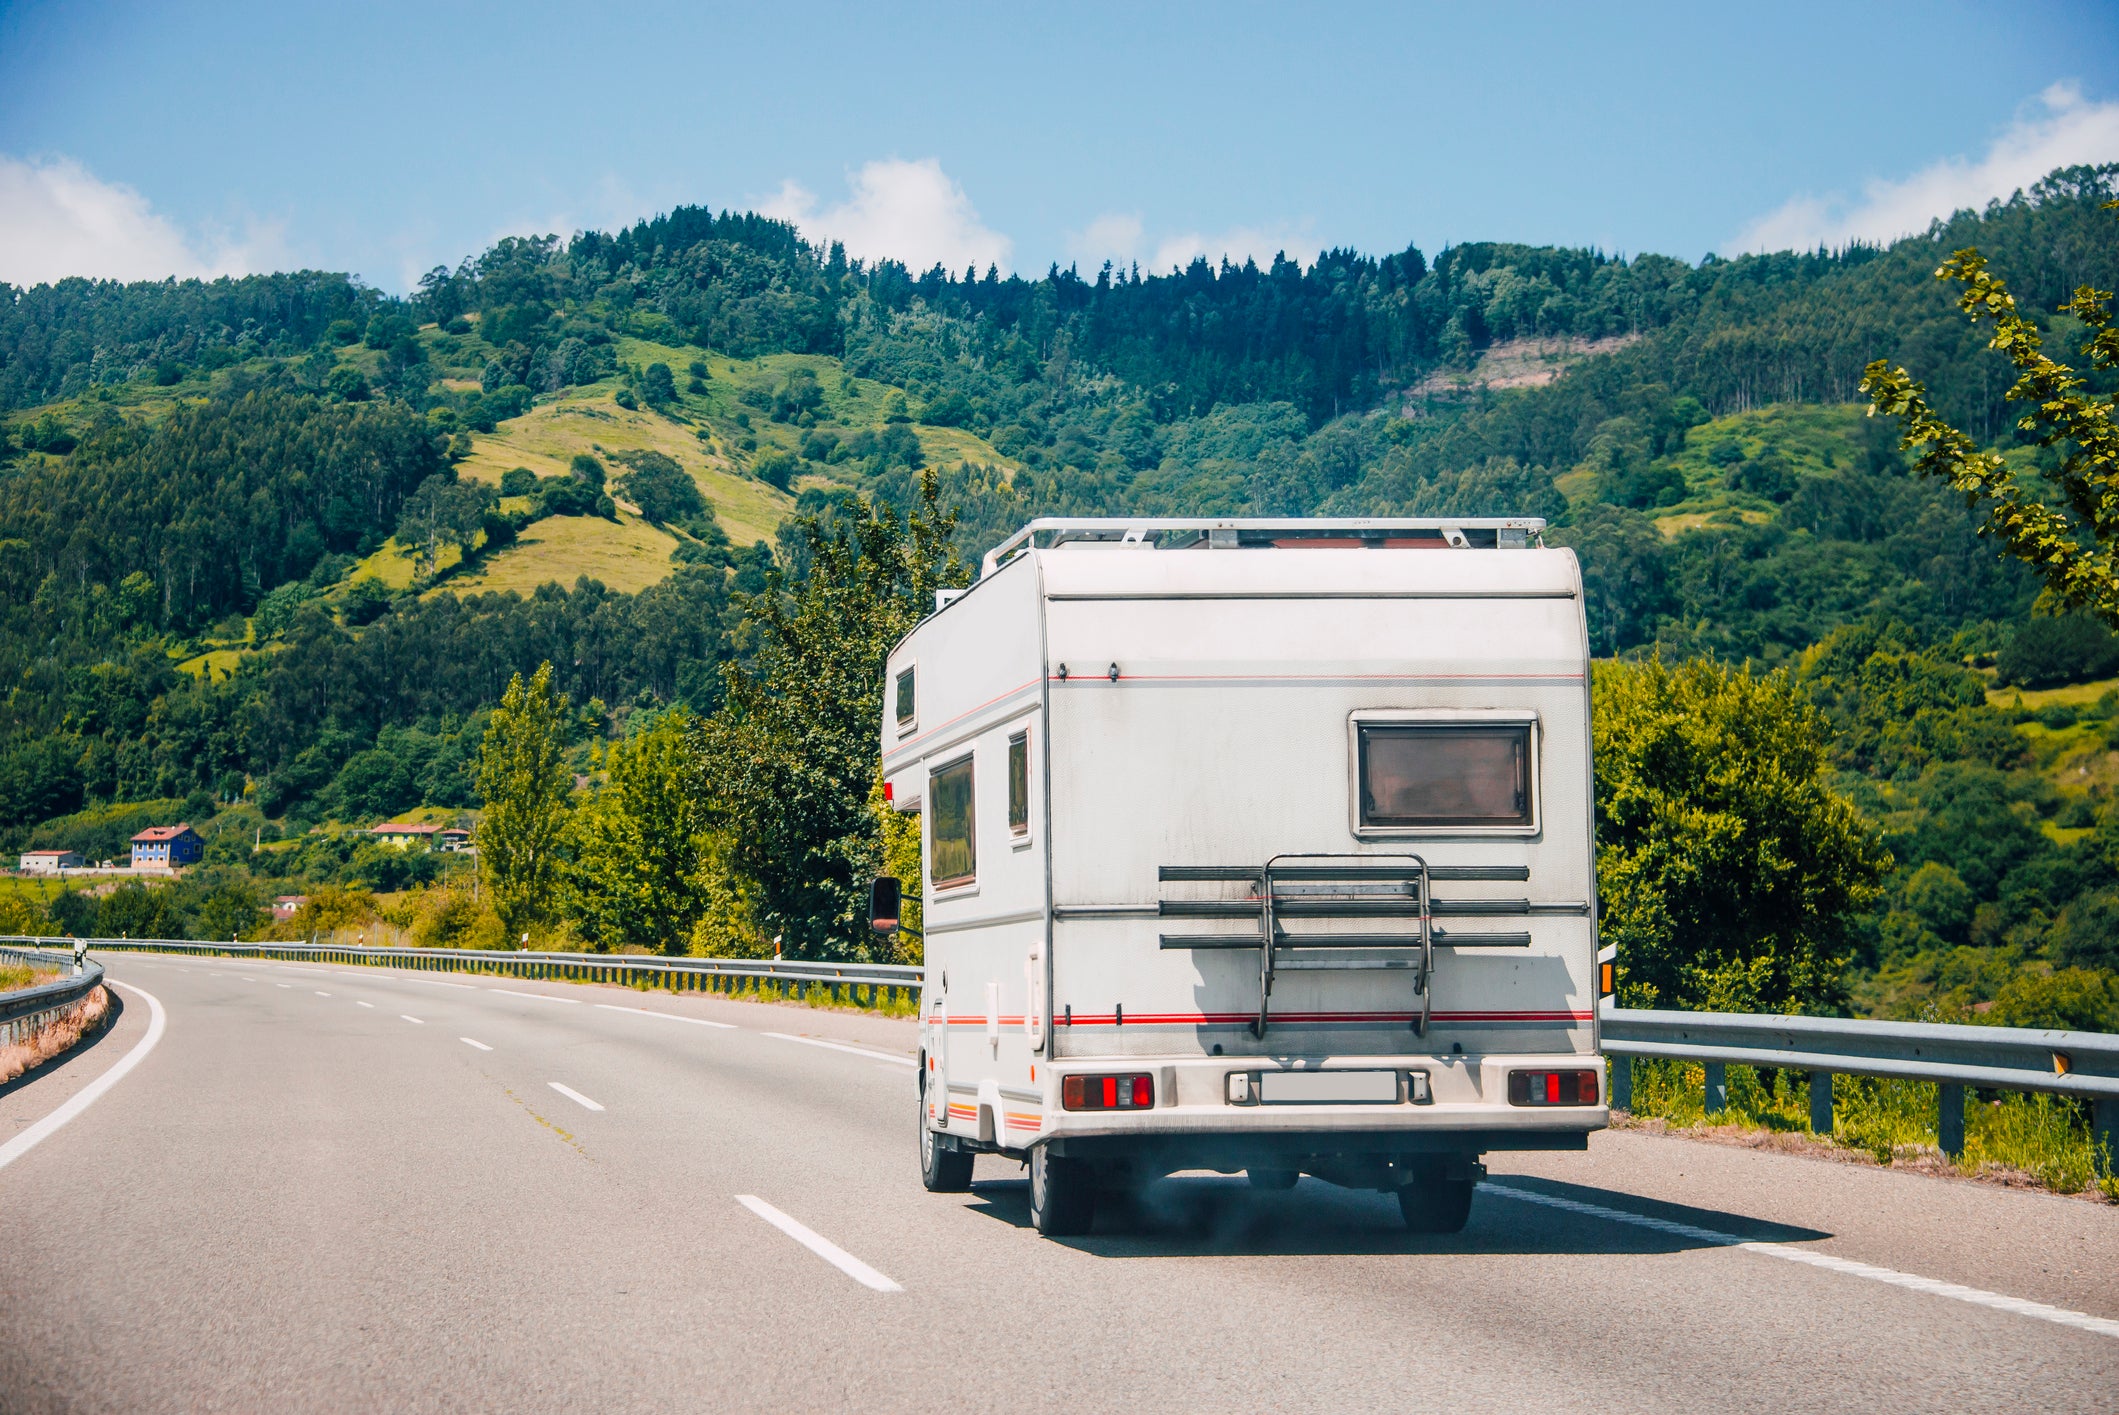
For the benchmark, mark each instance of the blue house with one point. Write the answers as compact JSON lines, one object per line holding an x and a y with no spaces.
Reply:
{"x":166,"y":847}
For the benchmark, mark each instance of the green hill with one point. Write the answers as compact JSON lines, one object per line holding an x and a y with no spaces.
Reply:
{"x":277,"y":543}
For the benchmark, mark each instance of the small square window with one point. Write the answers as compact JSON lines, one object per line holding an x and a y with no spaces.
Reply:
{"x":1019,"y":784}
{"x":952,"y":830}
{"x":906,"y":700}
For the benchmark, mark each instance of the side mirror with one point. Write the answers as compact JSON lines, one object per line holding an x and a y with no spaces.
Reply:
{"x":885,"y":904}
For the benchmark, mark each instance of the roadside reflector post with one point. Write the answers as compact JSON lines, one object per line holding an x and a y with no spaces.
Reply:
{"x":1949,"y":1122}
{"x":1821,"y":1102}
{"x":1717,"y":1088}
{"x":1622,"y":1083}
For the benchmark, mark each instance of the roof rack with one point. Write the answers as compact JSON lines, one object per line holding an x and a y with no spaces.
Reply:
{"x":1248,"y":532}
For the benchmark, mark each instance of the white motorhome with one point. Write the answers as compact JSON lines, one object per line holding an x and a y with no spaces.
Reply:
{"x":1257,"y":845}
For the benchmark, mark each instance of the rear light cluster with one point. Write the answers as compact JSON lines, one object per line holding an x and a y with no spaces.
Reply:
{"x":1107,"y":1092}
{"x":1552,"y":1088}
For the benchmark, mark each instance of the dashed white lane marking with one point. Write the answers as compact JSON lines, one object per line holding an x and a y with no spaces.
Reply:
{"x":470,"y":1043}
{"x":851,"y":1051}
{"x":250,"y":980}
{"x":438,"y":983}
{"x":21,"y":1144}
{"x":283,"y":985}
{"x":571,"y":1094}
{"x":410,"y":1018}
{"x":358,"y":1003}
{"x":321,"y":993}
{"x":1977,"y":1296}
{"x":538,"y":996}
{"x":817,"y":1243}
{"x":672,"y":1016}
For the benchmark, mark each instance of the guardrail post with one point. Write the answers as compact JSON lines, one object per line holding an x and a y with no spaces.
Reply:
{"x":1821,"y":1103}
{"x":2104,"y":1133}
{"x":1622,"y":1083}
{"x":1717,"y":1088}
{"x":1949,"y":1120}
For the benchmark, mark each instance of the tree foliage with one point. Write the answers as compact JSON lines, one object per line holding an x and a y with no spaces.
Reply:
{"x":524,"y":783}
{"x":1729,"y":872}
{"x":642,"y":856}
{"x":2070,"y":546}
{"x":788,"y":761}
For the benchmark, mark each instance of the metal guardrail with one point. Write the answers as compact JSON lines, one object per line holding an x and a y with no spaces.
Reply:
{"x":26,"y":1011}
{"x":2082,"y":1064}
{"x":841,"y":980}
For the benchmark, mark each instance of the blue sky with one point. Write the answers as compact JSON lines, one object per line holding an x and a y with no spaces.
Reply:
{"x":383,"y":139}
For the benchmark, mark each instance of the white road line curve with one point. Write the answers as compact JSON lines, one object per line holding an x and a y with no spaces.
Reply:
{"x":470,"y":1043}
{"x":1977,"y":1296}
{"x":850,"y":1051}
{"x":538,"y":996}
{"x":817,"y":1243}
{"x":23,"y":1143}
{"x":358,"y":1003}
{"x":321,"y":993}
{"x":410,"y":1018}
{"x":672,"y":1016}
{"x":573,"y":1095}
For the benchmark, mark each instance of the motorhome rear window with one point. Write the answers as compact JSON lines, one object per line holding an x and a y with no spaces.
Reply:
{"x":1422,"y":774}
{"x":952,"y":842}
{"x":906,"y":701}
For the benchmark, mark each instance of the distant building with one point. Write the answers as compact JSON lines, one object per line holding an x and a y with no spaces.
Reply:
{"x":167,"y":847}
{"x":286,"y":906}
{"x":405,"y":834}
{"x":50,"y":862}
{"x":453,"y":839}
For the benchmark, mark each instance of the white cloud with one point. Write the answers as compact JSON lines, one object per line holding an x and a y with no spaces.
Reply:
{"x":2065,"y":129}
{"x":58,"y":219}
{"x":908,"y":211}
{"x":1122,"y":238}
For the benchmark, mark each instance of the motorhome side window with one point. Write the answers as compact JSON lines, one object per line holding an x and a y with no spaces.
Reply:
{"x":1019,"y":784}
{"x":952,"y":841}
{"x":906,"y":701}
{"x":1429,"y":774}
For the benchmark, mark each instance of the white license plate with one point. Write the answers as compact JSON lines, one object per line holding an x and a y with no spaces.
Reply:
{"x":1328,"y":1088}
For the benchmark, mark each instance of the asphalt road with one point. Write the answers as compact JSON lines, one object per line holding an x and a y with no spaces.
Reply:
{"x":346,"y":1189}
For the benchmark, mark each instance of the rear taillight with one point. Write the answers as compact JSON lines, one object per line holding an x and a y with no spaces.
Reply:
{"x":1107,"y":1092}
{"x":1552,"y":1088}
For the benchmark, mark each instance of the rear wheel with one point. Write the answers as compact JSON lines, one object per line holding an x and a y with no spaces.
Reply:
{"x":1436,"y":1205}
{"x":942,"y":1169}
{"x":1272,"y":1178}
{"x":1062,"y":1194}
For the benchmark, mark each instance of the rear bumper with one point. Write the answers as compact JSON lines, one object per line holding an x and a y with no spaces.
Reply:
{"x":1469,"y":1112}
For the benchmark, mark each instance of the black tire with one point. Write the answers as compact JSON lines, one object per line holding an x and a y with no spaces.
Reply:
{"x":1272,"y":1178}
{"x":942,"y":1169}
{"x":1062,"y":1195}
{"x":1436,"y":1205}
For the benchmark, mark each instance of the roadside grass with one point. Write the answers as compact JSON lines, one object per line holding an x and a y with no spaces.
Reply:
{"x":2010,"y":1135}
{"x":880,"y":1002}
{"x":15,"y":976}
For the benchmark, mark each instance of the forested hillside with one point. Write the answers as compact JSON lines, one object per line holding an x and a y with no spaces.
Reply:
{"x":272,"y":548}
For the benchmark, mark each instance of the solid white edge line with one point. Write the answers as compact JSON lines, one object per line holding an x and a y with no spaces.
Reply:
{"x":410,"y":1018}
{"x":23,"y":1143}
{"x":470,"y":1043}
{"x":850,"y":1051}
{"x":1977,"y":1296}
{"x":651,"y":1012}
{"x":817,"y":1243}
{"x":573,"y":1095}
{"x":538,"y":996}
